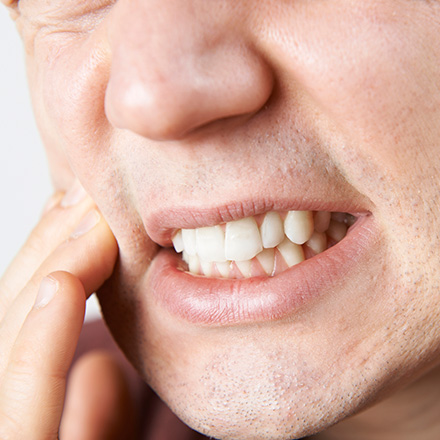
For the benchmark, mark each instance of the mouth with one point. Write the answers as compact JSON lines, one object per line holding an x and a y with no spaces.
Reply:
{"x":257,"y":268}
{"x":263,"y":245}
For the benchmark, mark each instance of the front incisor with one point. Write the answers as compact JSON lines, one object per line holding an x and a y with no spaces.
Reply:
{"x":242,"y":240}
{"x":210,"y":243}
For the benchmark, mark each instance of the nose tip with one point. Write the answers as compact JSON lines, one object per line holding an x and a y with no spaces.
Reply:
{"x":173,"y":104}
{"x":173,"y":80}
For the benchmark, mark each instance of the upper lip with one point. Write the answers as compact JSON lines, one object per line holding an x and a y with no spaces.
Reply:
{"x":162,"y":224}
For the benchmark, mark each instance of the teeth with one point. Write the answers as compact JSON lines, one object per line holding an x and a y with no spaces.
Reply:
{"x":272,"y":230}
{"x":224,"y":269}
{"x":336,"y":230}
{"x":189,"y":241}
{"x":244,"y":267}
{"x":291,"y":252}
{"x":194,"y":263}
{"x":298,"y":226}
{"x":339,"y":216}
{"x":349,"y":220}
{"x":178,"y":242}
{"x":227,"y":250}
{"x":266,"y":259}
{"x":322,"y":220}
{"x":242,"y":239}
{"x":317,"y":242}
{"x":206,"y":268}
{"x":210,"y":244}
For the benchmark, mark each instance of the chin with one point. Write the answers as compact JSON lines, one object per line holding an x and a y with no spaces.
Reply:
{"x":259,"y":357}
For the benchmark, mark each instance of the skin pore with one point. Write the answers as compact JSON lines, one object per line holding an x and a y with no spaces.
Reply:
{"x":176,"y":114}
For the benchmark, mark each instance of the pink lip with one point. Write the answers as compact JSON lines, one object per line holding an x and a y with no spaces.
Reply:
{"x":210,"y":301}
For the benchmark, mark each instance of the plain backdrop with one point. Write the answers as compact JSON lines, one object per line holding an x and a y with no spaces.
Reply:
{"x":24,"y":177}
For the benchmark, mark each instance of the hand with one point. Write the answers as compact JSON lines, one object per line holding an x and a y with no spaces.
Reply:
{"x":67,"y":257}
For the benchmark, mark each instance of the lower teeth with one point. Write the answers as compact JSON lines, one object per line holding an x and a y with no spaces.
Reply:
{"x":272,"y":261}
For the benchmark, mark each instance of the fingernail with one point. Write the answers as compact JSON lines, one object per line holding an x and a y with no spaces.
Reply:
{"x":87,"y":223}
{"x":75,"y":195}
{"x":46,"y":292}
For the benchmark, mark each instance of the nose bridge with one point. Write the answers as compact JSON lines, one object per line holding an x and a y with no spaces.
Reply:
{"x":177,"y":65}
{"x":154,"y":37}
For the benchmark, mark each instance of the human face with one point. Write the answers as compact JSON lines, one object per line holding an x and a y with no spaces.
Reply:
{"x":183,"y":114}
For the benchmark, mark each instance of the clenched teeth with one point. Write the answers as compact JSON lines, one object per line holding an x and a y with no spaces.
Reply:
{"x":242,"y":240}
{"x":245,"y":248}
{"x":298,"y":226}
{"x":272,"y":230}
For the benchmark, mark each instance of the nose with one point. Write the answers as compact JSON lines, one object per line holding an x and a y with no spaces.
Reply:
{"x":179,"y":65}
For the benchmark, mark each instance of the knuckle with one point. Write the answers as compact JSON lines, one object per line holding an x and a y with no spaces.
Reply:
{"x":31,"y":367}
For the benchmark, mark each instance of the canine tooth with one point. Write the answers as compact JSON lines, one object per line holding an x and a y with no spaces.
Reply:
{"x":178,"y":242}
{"x":266,"y":259}
{"x":189,"y":241}
{"x":224,"y":268}
{"x":337,"y":230}
{"x":206,"y":268}
{"x":272,"y":230}
{"x":322,"y":220}
{"x":317,"y":242}
{"x":291,"y":252}
{"x":210,"y":243}
{"x":185,"y":257}
{"x":242,"y":239}
{"x":244,"y":267}
{"x":298,"y":226}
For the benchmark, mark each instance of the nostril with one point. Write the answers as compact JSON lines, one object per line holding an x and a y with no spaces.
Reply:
{"x":149,"y":111}
{"x":168,"y":98}
{"x":158,"y":112}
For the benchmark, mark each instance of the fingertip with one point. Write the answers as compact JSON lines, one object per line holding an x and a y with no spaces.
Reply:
{"x":47,"y":290}
{"x":53,"y":326}
{"x":42,"y":354}
{"x":60,"y":284}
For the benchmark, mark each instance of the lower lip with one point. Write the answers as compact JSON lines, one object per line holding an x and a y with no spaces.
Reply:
{"x":211,"y":301}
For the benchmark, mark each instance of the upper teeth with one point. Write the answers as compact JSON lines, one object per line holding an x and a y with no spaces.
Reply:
{"x":241,"y":240}
{"x":272,"y":230}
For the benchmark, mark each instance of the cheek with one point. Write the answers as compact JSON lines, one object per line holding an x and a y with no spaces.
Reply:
{"x":374,"y":75}
{"x":394,"y":110}
{"x":69,"y":90}
{"x":69,"y":78}
{"x":389,"y":113}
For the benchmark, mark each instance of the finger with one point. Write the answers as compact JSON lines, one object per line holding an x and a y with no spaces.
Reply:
{"x":54,"y":227}
{"x":33,"y":386}
{"x":98,"y":404}
{"x":90,"y":254}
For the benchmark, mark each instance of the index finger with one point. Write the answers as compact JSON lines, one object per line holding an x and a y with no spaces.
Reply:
{"x":54,"y":227}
